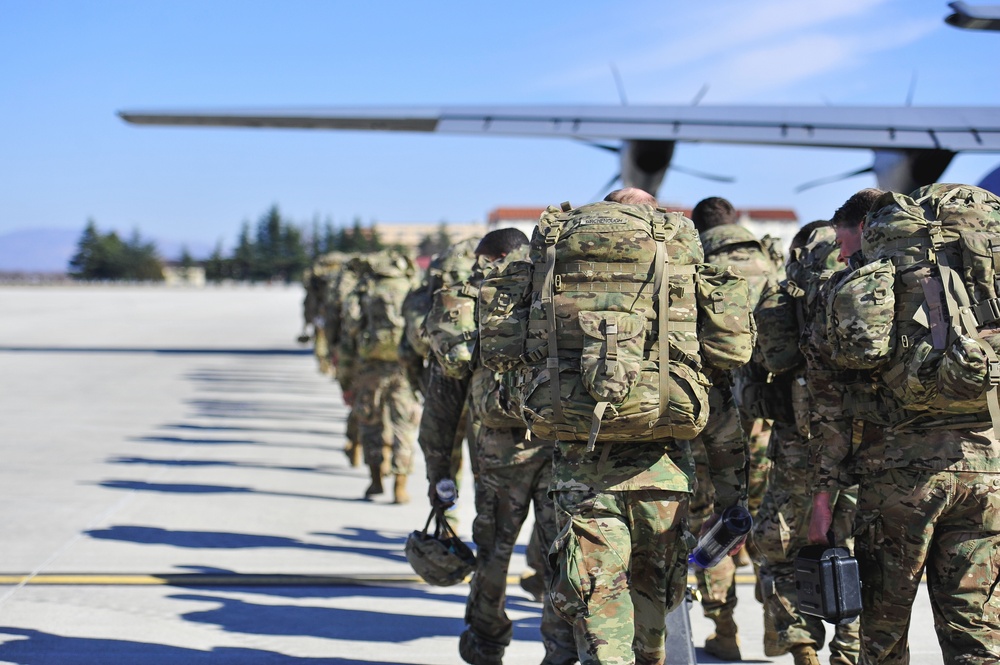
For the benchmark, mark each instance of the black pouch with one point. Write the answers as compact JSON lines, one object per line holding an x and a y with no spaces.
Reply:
{"x":828,"y":584}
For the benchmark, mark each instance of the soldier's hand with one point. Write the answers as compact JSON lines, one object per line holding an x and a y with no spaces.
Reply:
{"x":348,"y":397}
{"x":822,"y":519}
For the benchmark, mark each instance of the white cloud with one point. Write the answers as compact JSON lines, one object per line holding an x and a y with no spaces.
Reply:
{"x":741,"y":48}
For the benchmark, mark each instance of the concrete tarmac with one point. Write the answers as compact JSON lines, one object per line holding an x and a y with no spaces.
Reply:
{"x":174,"y":490}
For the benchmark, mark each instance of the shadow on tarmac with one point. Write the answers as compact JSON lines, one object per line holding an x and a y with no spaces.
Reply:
{"x":269,"y":430}
{"x":195,"y":442}
{"x":166,"y":351}
{"x":145,"y":535}
{"x":33,"y":647}
{"x":193,"y":488}
{"x":238,"y":616}
{"x":259,"y":409}
{"x":326,"y":470}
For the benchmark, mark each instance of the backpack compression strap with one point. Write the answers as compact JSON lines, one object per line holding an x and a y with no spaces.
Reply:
{"x":964,"y":319}
{"x":548,"y":300}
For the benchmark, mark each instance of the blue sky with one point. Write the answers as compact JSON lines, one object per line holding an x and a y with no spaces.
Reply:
{"x":67,"y":67}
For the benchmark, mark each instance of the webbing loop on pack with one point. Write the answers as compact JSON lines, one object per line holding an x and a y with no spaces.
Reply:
{"x":661,"y":287}
{"x":611,"y":357}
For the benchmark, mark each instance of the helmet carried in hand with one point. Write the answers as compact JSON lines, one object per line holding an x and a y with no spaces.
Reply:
{"x":439,"y":558}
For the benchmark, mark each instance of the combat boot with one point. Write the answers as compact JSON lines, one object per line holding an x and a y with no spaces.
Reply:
{"x":477,"y":651}
{"x":376,"y":486}
{"x":724,"y":643}
{"x":400,"y":494}
{"x":805,"y":654}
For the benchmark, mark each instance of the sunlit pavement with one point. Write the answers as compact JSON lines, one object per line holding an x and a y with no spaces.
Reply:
{"x":174,"y":491}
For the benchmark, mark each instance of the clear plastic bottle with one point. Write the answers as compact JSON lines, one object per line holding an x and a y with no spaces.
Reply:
{"x":733,"y":525}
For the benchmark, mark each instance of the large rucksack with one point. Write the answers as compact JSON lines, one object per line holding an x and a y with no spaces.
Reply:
{"x":452,"y":325}
{"x":735,"y":246}
{"x":930,"y":322}
{"x":452,"y":322}
{"x":785,"y":308}
{"x":580,"y":324}
{"x":380,"y":301}
{"x":450,"y":266}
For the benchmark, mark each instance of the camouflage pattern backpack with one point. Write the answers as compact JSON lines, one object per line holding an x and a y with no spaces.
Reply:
{"x":448,"y":267}
{"x":935,"y":339}
{"x":785,"y":307}
{"x":379,"y":296}
{"x":452,"y":321}
{"x":581,"y":326}
{"x":735,"y":246}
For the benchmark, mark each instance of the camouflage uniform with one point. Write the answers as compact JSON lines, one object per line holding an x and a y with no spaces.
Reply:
{"x":717,"y":585}
{"x":388,"y":412}
{"x":334,"y":314}
{"x":386,"y":403}
{"x":513,"y":472}
{"x":317,"y":281}
{"x":735,"y":246}
{"x":621,"y":553}
{"x":929,"y":496}
{"x":929,"y":502}
{"x":782,"y":525}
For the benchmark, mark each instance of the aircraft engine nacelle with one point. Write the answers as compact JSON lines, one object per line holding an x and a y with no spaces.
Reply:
{"x":905,"y":170}
{"x":645,"y":163}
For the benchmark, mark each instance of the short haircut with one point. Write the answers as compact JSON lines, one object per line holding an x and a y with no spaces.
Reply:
{"x":501,"y":242}
{"x":802,"y":236}
{"x":631,"y":196}
{"x":711,"y":212}
{"x":853,"y":212}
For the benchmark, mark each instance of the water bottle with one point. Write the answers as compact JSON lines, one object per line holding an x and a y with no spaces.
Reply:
{"x":734,"y":524}
{"x":446,"y":492}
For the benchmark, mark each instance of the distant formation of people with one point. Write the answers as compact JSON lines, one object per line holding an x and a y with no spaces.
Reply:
{"x":629,"y":373}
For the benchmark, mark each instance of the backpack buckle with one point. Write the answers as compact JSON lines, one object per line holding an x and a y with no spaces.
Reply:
{"x":558,"y":282}
{"x":659,"y":230}
{"x":994,"y":375}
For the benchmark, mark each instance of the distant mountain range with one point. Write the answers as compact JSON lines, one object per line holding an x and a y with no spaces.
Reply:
{"x":49,"y":250}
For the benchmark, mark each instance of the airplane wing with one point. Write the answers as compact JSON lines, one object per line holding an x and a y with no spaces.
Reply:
{"x":951,"y":128}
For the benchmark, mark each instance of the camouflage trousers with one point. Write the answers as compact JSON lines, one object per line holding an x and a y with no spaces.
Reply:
{"x":717,"y":585}
{"x":946,"y":523}
{"x":388,"y":414}
{"x":321,"y":350}
{"x":620,"y":565}
{"x":780,"y":530}
{"x":504,"y":496}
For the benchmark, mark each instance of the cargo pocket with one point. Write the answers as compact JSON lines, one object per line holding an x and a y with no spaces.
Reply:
{"x":868,"y":540}
{"x":677,"y":572}
{"x":570,"y":583}
{"x":611,"y":359}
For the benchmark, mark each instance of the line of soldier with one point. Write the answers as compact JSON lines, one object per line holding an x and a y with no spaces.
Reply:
{"x":792,"y":432}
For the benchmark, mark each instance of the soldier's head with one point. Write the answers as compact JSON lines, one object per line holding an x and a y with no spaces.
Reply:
{"x":631,"y":196}
{"x":711,"y":212}
{"x":499,"y":243}
{"x":849,"y":219}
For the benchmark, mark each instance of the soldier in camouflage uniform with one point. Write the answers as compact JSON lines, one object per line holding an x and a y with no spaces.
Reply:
{"x":624,"y":540}
{"x":929,"y":501}
{"x":728,"y":244}
{"x":513,"y":472}
{"x":317,"y":281}
{"x":783,"y":519}
{"x":334,"y":313}
{"x":374,"y":382}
